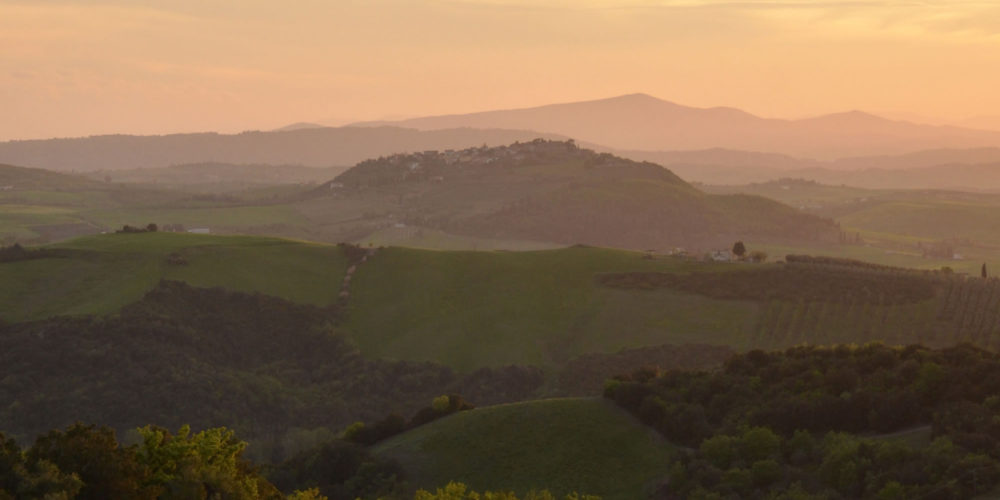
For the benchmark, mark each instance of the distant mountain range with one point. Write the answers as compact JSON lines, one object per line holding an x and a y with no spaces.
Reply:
{"x":734,"y":158}
{"x":304,"y":145}
{"x":710,"y":145}
{"x":299,"y":126}
{"x":217,"y":177}
{"x":643,"y":122}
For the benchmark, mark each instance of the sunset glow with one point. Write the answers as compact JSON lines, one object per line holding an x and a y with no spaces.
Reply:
{"x":72,"y":68}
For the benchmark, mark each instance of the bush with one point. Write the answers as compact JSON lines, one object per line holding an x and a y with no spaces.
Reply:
{"x":441,"y":404}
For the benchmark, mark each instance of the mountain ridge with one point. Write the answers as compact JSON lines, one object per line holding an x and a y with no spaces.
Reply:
{"x":643,"y":122}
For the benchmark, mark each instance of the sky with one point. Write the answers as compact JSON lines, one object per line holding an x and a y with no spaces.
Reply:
{"x":75,"y":68}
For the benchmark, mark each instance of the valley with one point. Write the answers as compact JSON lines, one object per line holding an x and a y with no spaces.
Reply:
{"x":440,"y":313}
{"x":499,"y":250}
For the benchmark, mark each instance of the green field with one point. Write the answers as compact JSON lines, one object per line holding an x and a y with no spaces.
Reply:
{"x":584,"y":445}
{"x":464,"y":309}
{"x":103,"y":273}
{"x":472,"y":309}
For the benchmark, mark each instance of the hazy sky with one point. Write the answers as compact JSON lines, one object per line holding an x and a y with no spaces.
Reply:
{"x":70,"y":68}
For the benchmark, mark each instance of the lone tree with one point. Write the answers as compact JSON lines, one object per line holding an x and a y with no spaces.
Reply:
{"x":739,"y":249}
{"x":984,"y":270}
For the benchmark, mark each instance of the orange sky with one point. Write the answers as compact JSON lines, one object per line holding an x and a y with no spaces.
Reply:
{"x":71,"y":68}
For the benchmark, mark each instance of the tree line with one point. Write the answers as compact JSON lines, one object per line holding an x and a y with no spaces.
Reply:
{"x":88,"y":462}
{"x":803,"y":423}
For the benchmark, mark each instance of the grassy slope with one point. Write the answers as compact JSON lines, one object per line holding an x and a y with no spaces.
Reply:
{"x":584,"y":445}
{"x":109,"y":271}
{"x":469,"y":309}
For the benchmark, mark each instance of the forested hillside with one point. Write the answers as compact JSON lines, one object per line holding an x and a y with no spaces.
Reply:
{"x":265,"y":367}
{"x":829,"y":423}
{"x":817,"y":422}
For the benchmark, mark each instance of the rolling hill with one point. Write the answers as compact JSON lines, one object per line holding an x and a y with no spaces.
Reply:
{"x":643,"y":122}
{"x":564,"y":445}
{"x":549,"y":191}
{"x":538,"y":194}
